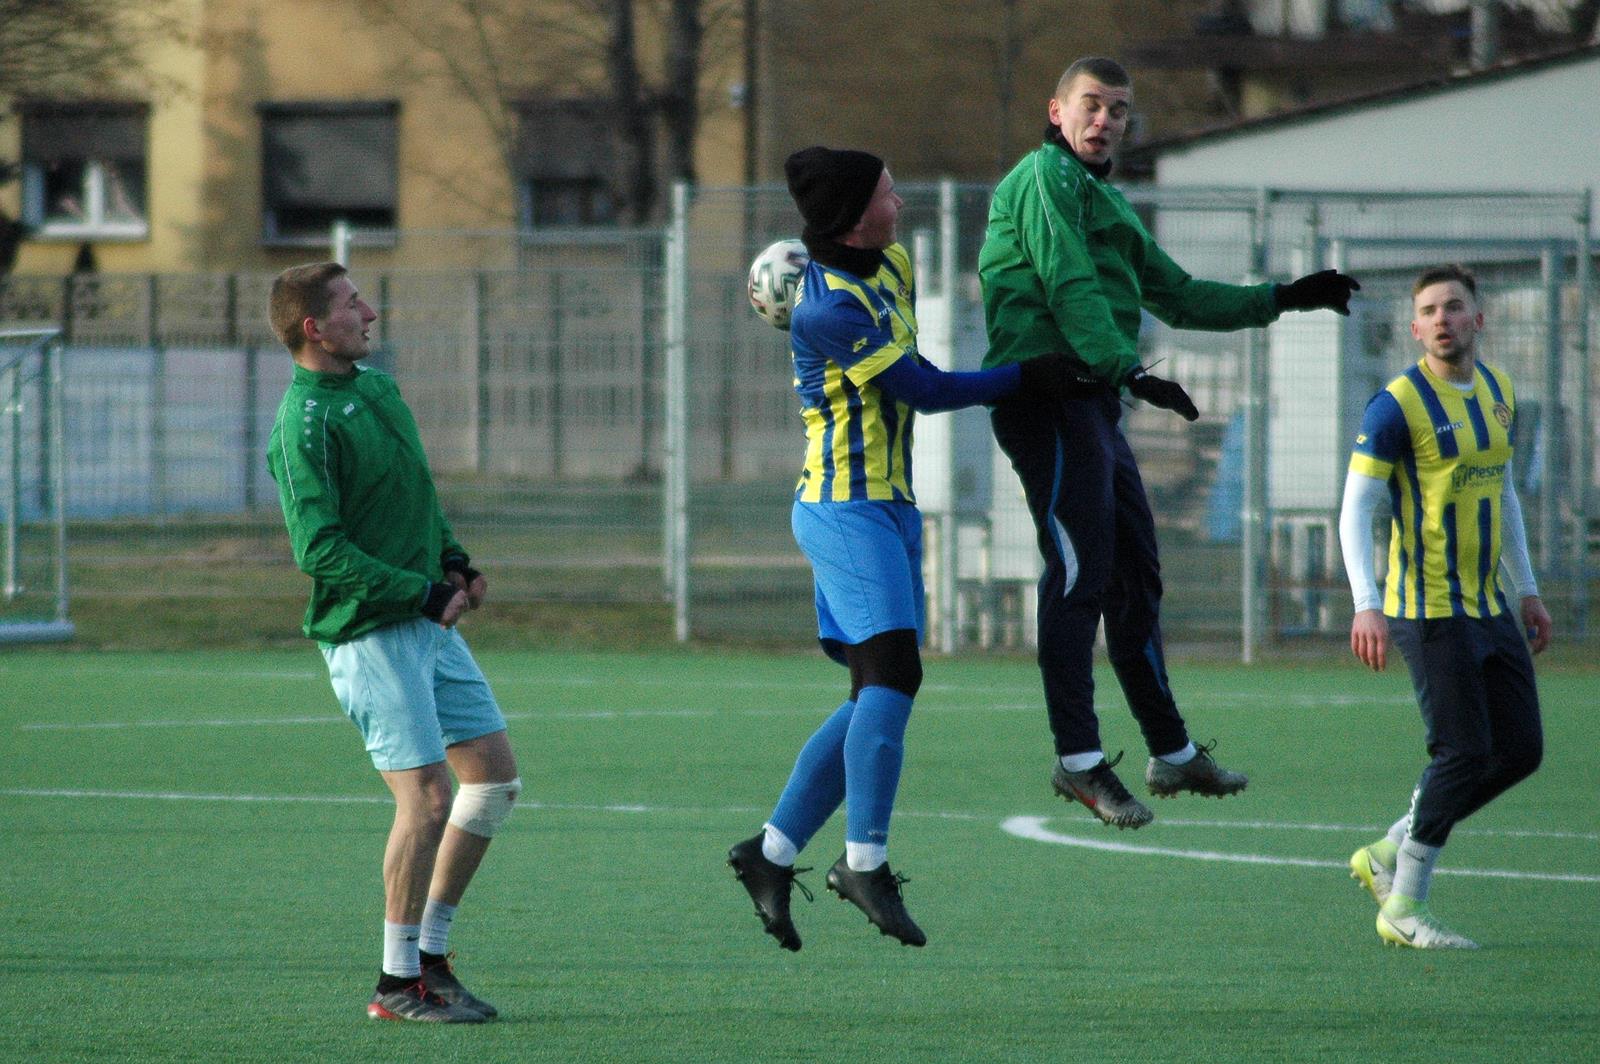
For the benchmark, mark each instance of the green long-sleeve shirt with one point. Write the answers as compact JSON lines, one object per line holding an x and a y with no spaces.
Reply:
{"x":1066,"y":265}
{"x":358,"y":499}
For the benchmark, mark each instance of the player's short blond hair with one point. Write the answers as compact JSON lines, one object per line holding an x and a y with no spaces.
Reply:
{"x":298,"y":293}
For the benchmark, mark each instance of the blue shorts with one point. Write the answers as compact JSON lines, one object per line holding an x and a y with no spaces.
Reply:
{"x":413,"y":690}
{"x":866,"y":558}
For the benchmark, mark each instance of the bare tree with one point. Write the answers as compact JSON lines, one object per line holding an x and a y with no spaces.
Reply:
{"x":1006,"y":43}
{"x":498,"y":54}
{"x":680,"y":95}
{"x":73,"y":48}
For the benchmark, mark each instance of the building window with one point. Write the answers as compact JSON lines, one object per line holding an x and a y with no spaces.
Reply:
{"x":83,"y":170}
{"x":566,"y":163}
{"x":323,"y":163}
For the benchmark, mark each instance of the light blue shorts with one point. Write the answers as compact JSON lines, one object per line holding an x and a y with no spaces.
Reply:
{"x":413,"y":689}
{"x":866,"y":558}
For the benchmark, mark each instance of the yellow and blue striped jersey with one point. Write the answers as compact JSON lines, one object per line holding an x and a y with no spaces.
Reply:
{"x":1444,"y":453}
{"x":844,"y":332}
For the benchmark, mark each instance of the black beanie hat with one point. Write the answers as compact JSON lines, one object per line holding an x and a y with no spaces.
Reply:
{"x":832,"y":187}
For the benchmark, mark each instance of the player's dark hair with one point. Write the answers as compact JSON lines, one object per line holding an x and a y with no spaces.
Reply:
{"x":1448,"y":272}
{"x":298,"y":293}
{"x":1105,"y":71}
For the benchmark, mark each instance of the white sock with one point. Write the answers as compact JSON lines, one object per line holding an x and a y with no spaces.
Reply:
{"x":1181,"y":757}
{"x":436,"y":920}
{"x":400,"y":949}
{"x":1082,"y":762}
{"x":1413,"y":869}
{"x":1397,"y":830}
{"x":777,"y":847}
{"x":864,"y":856}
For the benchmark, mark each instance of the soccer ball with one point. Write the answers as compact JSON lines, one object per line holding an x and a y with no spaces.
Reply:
{"x":774,"y":275}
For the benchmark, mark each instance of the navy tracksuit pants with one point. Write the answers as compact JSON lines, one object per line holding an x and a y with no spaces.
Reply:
{"x":1475,"y":687}
{"x":1099,"y":546}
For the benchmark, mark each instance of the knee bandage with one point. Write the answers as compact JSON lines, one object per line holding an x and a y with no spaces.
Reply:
{"x":481,"y":808}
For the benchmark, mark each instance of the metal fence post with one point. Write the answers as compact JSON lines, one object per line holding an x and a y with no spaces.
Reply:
{"x":58,"y":475}
{"x":1253,"y":518}
{"x":1581,"y":464}
{"x":675,"y":457}
{"x":554,"y":407}
{"x":339,"y":242}
{"x":158,"y":396}
{"x":1549,"y":403}
{"x":482,"y":397}
{"x":13,"y":490}
{"x":947,"y":519}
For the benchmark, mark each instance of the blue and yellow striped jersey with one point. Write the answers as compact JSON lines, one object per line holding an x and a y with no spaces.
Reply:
{"x":845,"y":331}
{"x":1444,"y":453}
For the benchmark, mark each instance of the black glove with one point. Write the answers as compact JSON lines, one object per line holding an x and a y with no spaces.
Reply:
{"x":1328,"y":289}
{"x":1168,"y":395}
{"x":456,"y":563}
{"x":1054,"y":377}
{"x":439,"y":596}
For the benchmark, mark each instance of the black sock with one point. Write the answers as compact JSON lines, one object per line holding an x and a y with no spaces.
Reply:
{"x":387,"y":982}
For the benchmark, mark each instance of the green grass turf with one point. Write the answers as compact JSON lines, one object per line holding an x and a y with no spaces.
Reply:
{"x":607,"y":928}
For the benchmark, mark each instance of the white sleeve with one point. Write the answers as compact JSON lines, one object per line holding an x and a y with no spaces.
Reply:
{"x":1514,"y":542}
{"x":1363,"y":497}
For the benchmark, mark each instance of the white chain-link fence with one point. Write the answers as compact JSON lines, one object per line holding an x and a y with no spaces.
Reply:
{"x":611,"y":423}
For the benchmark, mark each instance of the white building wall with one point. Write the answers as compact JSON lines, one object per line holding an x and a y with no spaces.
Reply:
{"x":1534,"y":132}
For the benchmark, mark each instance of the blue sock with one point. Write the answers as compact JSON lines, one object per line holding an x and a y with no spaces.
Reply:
{"x":816,"y":786}
{"x":873,"y":751}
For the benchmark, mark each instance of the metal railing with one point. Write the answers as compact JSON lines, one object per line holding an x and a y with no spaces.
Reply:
{"x":610,"y":422}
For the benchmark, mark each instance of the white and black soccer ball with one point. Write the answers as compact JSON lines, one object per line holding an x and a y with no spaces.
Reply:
{"x":774,"y":276}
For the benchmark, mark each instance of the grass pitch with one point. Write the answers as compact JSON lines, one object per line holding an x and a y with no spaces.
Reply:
{"x":192,"y":843}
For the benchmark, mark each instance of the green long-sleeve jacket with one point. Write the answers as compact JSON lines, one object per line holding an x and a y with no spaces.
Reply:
{"x":358,"y":498}
{"x":1066,"y":265}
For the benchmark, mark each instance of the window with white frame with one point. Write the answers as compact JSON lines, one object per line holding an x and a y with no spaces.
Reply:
{"x":326,"y":162}
{"x":84,"y":170}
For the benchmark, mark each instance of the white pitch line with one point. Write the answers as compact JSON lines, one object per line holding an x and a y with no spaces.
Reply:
{"x":1028,"y":690}
{"x":554,"y":714}
{"x":339,"y":799}
{"x":111,"y":725}
{"x":1032,"y":828}
{"x":336,"y":799}
{"x":838,"y":683}
{"x":1289,"y":825}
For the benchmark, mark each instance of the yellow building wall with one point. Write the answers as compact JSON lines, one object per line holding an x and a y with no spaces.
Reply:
{"x":171,"y":84}
{"x":918,"y":81}
{"x":204,"y":136}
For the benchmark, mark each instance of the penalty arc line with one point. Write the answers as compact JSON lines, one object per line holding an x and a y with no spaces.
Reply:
{"x":1033,"y":828}
{"x":1025,"y":827}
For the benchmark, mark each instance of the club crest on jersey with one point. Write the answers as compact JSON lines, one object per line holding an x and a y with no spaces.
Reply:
{"x":1502,"y":414}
